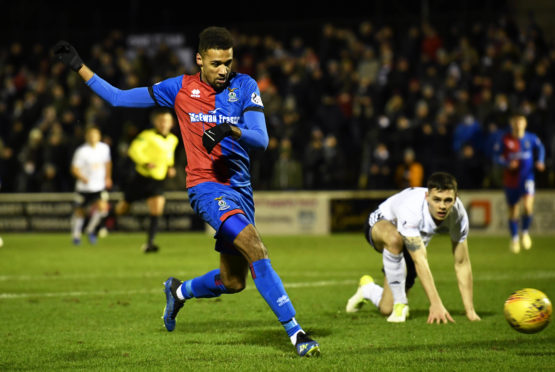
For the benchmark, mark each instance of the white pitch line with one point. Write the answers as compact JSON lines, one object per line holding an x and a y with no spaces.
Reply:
{"x":80,"y":276}
{"x":9,"y":296}
{"x":322,"y":283}
{"x":545,"y":274}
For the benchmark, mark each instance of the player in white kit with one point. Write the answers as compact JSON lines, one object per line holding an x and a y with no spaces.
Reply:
{"x":401,"y":229}
{"x":92,"y":167}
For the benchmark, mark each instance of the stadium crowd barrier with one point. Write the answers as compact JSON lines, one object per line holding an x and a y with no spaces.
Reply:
{"x":317,"y":213}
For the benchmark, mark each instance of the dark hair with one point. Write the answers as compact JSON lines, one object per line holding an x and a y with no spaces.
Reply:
{"x":160,"y":111}
{"x":214,"y":37}
{"x":442,"y":181}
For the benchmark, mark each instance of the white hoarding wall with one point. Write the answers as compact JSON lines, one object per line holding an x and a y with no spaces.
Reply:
{"x":293,"y":213}
{"x":487,"y":212}
{"x":330,"y":212}
{"x":52,"y":212}
{"x":277,"y":213}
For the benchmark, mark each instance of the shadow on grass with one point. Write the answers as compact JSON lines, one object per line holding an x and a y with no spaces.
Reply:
{"x":278,"y":339}
{"x":259,"y":333}
{"x":247,"y":332}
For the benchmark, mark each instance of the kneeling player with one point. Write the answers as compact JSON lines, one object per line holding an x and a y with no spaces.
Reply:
{"x":401,"y":229}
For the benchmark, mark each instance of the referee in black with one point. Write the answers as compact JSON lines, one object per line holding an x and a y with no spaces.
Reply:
{"x":152,"y":152}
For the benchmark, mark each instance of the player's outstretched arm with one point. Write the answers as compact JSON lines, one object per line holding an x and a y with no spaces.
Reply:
{"x":437,"y":312}
{"x":136,"y":97}
{"x":463,"y":270}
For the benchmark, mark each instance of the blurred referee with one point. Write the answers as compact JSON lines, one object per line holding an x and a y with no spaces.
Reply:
{"x":152,"y":151}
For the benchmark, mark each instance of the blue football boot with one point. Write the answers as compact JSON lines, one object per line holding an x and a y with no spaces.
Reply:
{"x":173,"y":303}
{"x":307,"y":347}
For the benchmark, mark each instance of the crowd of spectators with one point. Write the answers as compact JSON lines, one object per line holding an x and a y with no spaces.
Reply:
{"x":362,"y":107}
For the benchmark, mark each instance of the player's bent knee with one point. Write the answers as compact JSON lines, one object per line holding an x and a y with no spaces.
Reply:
{"x":234,"y":285}
{"x":251,"y":246}
{"x":394,"y":243}
{"x":122,"y":208}
{"x":103,"y":206}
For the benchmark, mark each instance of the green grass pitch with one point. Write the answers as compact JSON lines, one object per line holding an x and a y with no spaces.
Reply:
{"x":99,"y":307}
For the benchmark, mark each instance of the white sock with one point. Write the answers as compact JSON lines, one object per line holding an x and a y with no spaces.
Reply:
{"x":95,"y":219}
{"x":76,"y":226}
{"x":179,"y":293}
{"x":394,"y":267}
{"x":372,"y":292}
{"x":294,"y":337}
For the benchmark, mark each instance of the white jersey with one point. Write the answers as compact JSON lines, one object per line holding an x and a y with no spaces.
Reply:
{"x":91,"y":162}
{"x":408,"y":210}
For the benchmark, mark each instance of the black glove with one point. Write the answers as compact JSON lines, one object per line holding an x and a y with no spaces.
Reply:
{"x":214,"y":135}
{"x":66,"y":53}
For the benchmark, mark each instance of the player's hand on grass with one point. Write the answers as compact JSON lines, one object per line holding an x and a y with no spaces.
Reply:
{"x":214,"y":135}
{"x":66,"y":53}
{"x":472,"y":316}
{"x":439,"y":314}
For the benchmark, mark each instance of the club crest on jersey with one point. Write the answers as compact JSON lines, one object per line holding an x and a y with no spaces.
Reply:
{"x":222,"y":203}
{"x":232,"y":96}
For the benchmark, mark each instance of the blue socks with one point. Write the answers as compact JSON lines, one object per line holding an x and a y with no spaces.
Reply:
{"x":205,"y":286}
{"x":513,"y":228}
{"x":526,"y":222}
{"x":267,"y":282}
{"x":271,"y":288}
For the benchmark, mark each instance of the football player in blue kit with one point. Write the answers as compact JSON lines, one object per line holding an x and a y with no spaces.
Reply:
{"x":520,"y":153}
{"x":221,"y":119}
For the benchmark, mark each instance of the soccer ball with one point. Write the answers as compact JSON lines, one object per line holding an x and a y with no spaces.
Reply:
{"x":528,"y":310}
